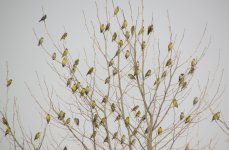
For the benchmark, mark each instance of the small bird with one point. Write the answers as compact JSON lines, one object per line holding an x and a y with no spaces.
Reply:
{"x":87,"y":90}
{"x":107,"y":27}
{"x":43,"y":18}
{"x":127,"y":121}
{"x":9,"y":82}
{"x":102,"y":28}
{"x":188,"y":119}
{"x":120,"y":43}
{"x":195,"y":101}
{"x":93,"y":104}
{"x":95,"y":118}
{"x":115,"y":71}
{"x":116,"y":10}
{"x":76,"y":62}
{"x":8,"y":131}
{"x":65,"y":148}
{"x":124,"y":24}
{"x":170,"y":46}
{"x":107,"y":80}
{"x":159,"y":130}
{"x":4,"y":121}
{"x":118,"y":117}
{"x":65,"y":53}
{"x":115,"y":135}
{"x":103,"y":120}
{"x":48,"y":118}
{"x":127,"y":54}
{"x":64,"y":36}
{"x":68,"y":120}
{"x":164,"y":74}
{"x":69,"y":81}
{"x":150,"y":29}
{"x":105,"y":140}
{"x":77,"y":121}
{"x":146,"y":131}
{"x":132,"y":30}
{"x":54,"y":56}
{"x":37,"y":136}
{"x":40,"y":41}
{"x":216,"y":116}
{"x":175,"y":103}
{"x":133,"y":142}
{"x":114,"y":36}
{"x":127,"y":35}
{"x":74,"y":88}
{"x":193,"y":63}
{"x":181,"y":79}
{"x":157,"y":82}
{"x":105,"y":99}
{"x":143,"y":45}
{"x":135,"y":108}
{"x":138,"y":114}
{"x":61,"y":115}
{"x":117,"y":53}
{"x":113,"y":107}
{"x":123,"y":139}
{"x":148,"y":73}
{"x":132,"y":77}
{"x":136,"y":71}
{"x":141,"y":31}
{"x":181,"y":115}
{"x":111,"y":62}
{"x":64,"y":62}
{"x":90,"y":71}
{"x":169,"y":62}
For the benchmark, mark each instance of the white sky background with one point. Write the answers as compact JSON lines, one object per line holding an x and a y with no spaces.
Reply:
{"x":18,"y":44}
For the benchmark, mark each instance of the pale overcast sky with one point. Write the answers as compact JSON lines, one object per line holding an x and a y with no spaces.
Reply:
{"x":18,"y":45}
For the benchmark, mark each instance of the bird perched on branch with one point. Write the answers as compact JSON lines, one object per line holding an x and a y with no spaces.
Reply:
{"x":116,"y":10}
{"x":150,"y":29}
{"x":216,"y":116}
{"x":64,"y":36}
{"x":43,"y":18}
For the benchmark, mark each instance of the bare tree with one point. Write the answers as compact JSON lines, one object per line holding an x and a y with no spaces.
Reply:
{"x":135,"y":94}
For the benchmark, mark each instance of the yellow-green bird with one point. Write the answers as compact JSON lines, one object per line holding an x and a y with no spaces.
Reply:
{"x":93,"y":134}
{"x":127,"y":121}
{"x":143,"y":45}
{"x":136,"y":71}
{"x":123,"y":139}
{"x":113,"y":107}
{"x":68,"y":120}
{"x":74,"y":88}
{"x":61,"y":115}
{"x":132,"y":29}
{"x":195,"y":101}
{"x":115,"y":135}
{"x":8,"y":131}
{"x":138,"y":114}
{"x":114,"y":36}
{"x":83,"y":91}
{"x":150,"y":29}
{"x":132,"y":77}
{"x":107,"y":80}
{"x":107,"y":27}
{"x":40,"y":41}
{"x":65,"y":53}
{"x":127,"y":54}
{"x":135,"y":108}
{"x":127,"y":35}
{"x":54,"y":56}
{"x":170,"y":46}
{"x":9,"y":82}
{"x":188,"y":119}
{"x":193,"y":63}
{"x":76,"y":62}
{"x":37,"y":136}
{"x":103,"y":120}
{"x":120,"y":43}
{"x":87,"y":90}
{"x":216,"y":116}
{"x":146,"y":131}
{"x":115,"y":71}
{"x":93,"y":104}
{"x":116,"y":10}
{"x":4,"y":121}
{"x":175,"y":104}
{"x":164,"y":74}
{"x":69,"y":82}
{"x":118,"y":117}
{"x":65,"y":148}
{"x":90,"y":71}
{"x":64,"y":36}
{"x":105,"y":140}
{"x":124,"y":24}
{"x":105,"y":99}
{"x":111,"y":62}
{"x":157,"y":82}
{"x":48,"y":118}
{"x":181,"y":115}
{"x":95,"y":118}
{"x":117,"y":53}
{"x":64,"y":62}
{"x":148,"y":73}
{"x":43,"y":18}
{"x":159,"y":130}
{"x":141,"y":31}
{"x":102,"y":28}
{"x":181,"y":79}
{"x":77,"y":121}
{"x":169,"y":62}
